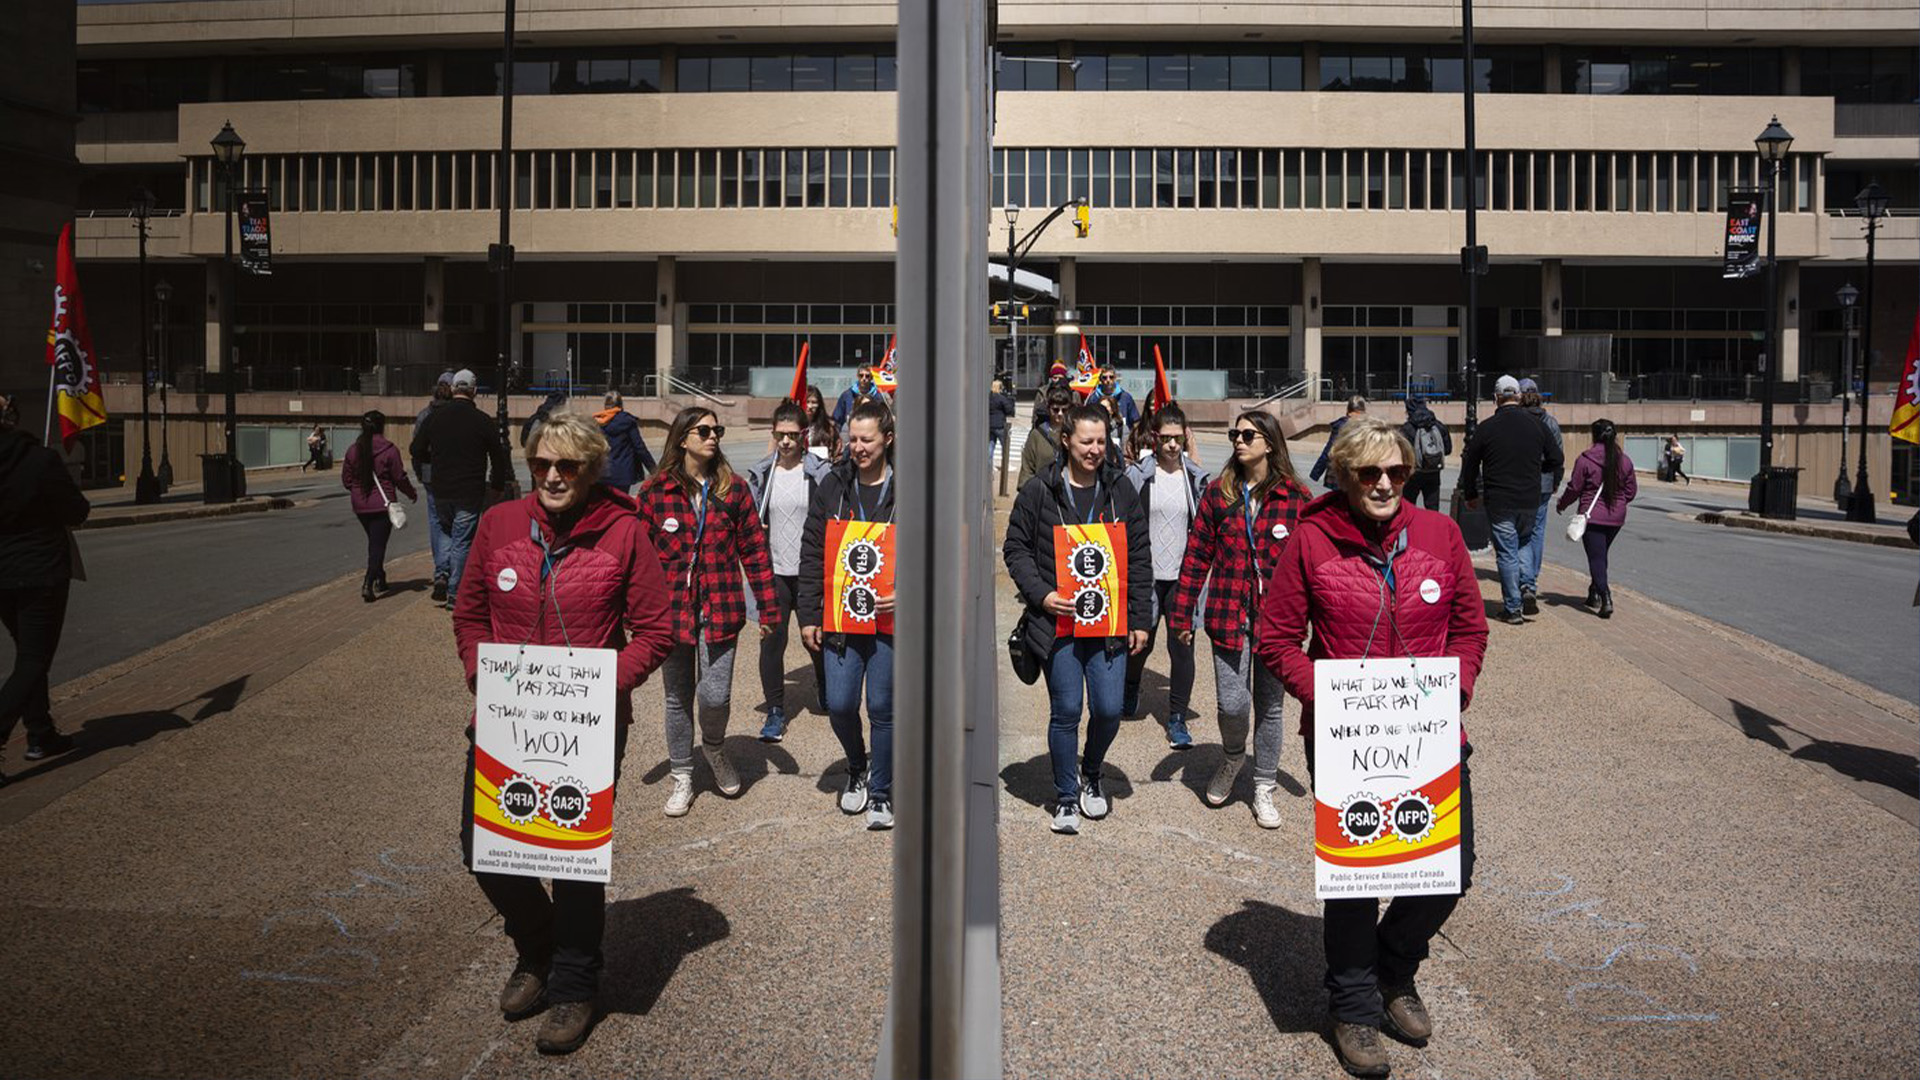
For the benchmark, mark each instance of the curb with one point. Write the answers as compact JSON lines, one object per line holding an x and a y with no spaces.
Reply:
{"x":152,"y":517}
{"x":1794,"y":528}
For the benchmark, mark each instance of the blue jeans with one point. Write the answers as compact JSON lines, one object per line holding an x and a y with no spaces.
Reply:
{"x":1512,"y":532}
{"x":455,"y":526}
{"x":1082,"y":668}
{"x":1536,"y":548}
{"x":864,"y":658}
{"x":434,"y":539}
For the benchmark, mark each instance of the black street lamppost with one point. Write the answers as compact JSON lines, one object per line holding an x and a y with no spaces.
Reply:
{"x":163,"y":292}
{"x":227,"y":148}
{"x":1872,"y":202}
{"x":146,"y":489}
{"x":1848,"y":296}
{"x":1773,"y":144}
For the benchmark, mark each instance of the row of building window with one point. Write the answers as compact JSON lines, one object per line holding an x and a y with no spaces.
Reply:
{"x":1850,"y":75}
{"x":1297,"y":179}
{"x":562,"y":180}
{"x":1204,"y":179}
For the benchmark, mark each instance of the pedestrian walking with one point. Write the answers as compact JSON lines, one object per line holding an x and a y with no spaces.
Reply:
{"x":702,"y":521}
{"x":1079,"y":488}
{"x":1244,"y":524}
{"x":628,"y":459}
{"x":1170,"y":487}
{"x":442,"y":393}
{"x":463,"y":448}
{"x":1000,"y":410}
{"x":375,"y":479}
{"x":1369,"y":574}
{"x":1125,"y":410}
{"x":858,"y":489}
{"x":39,"y":502}
{"x":1043,"y":441}
{"x":1603,"y":484}
{"x":1432,"y":445}
{"x":1532,"y":401}
{"x":569,"y":565}
{"x":316,"y":450}
{"x":1356,"y":408}
{"x":553,"y":401}
{"x":862,"y":389}
{"x":783,"y":485}
{"x":1676,"y":460}
{"x":1501,"y":468}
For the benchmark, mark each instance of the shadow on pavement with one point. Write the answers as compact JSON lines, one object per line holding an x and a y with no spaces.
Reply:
{"x":103,"y":733}
{"x":1282,"y":951}
{"x":1889,"y":768}
{"x":1031,"y":781}
{"x":645,"y":941}
{"x":751,"y":758}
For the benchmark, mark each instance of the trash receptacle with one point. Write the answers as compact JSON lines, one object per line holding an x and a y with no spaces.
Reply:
{"x":221,"y":479}
{"x":1782,"y":492}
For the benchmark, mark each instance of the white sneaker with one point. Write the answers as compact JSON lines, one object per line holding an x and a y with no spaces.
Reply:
{"x":880,"y":815}
{"x":1093,"y":801}
{"x":1264,"y":811}
{"x":680,"y":799}
{"x":853,"y":798}
{"x":1066,"y":819}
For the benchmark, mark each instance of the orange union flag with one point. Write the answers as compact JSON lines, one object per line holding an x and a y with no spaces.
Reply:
{"x":859,"y":572}
{"x":1906,"y":407}
{"x":1090,"y":563}
{"x":76,"y":370}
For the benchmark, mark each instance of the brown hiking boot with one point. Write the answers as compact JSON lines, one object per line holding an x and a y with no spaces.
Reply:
{"x":1407,"y":1018}
{"x":1360,"y":1050}
{"x":523,"y":991}
{"x":566,"y":1028}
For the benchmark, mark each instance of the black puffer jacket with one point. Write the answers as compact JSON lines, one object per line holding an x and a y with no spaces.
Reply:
{"x":1040,"y":506}
{"x":832,"y":498}
{"x":38,"y":503}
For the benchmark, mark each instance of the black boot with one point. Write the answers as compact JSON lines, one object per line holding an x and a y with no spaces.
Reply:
{"x":366,"y":588}
{"x":380,"y":585}
{"x":1606,"y":604}
{"x":1593,"y":598}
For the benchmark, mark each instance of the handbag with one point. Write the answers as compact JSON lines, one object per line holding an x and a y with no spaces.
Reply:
{"x":1025,"y":664}
{"x":1577,"y":527}
{"x":396,"y":513}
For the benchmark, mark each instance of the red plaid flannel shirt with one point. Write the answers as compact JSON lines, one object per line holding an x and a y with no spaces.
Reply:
{"x":734,"y":538}
{"x":1217,"y":548}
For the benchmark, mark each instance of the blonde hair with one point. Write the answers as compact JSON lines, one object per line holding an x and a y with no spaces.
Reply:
{"x":573,"y":436}
{"x":1366,"y":439}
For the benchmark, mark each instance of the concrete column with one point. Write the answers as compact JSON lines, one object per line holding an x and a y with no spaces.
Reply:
{"x":436,"y":74}
{"x":1790,"y":79}
{"x":669,"y":69}
{"x":1310,"y":66}
{"x":216,"y":346}
{"x":1069,"y":282}
{"x":1552,"y":317}
{"x":433,"y":295}
{"x":667,"y":327}
{"x":1552,"y":69}
{"x":1789,"y":320}
{"x":1312,"y":320}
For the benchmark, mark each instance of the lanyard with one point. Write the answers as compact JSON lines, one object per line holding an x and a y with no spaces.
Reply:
{"x":860,"y":511}
{"x":1093,"y":508}
{"x":1248,"y":511}
{"x":700,"y":510}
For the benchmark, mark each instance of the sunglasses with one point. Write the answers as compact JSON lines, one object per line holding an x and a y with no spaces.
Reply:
{"x":709,"y":431}
{"x":1171,"y":438}
{"x":1244,"y":435}
{"x":539,"y":467}
{"x":1369,"y":475}
{"x":787,"y":436}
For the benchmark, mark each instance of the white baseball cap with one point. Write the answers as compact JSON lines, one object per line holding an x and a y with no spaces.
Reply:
{"x":465,"y":377}
{"x":1504,"y":386}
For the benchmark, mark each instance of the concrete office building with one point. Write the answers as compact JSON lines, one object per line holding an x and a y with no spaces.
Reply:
{"x":1277,"y":194}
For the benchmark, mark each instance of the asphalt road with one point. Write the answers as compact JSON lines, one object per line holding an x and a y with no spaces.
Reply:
{"x":148,"y":584}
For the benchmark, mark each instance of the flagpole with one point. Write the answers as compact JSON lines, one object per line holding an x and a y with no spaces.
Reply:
{"x":46,"y":438}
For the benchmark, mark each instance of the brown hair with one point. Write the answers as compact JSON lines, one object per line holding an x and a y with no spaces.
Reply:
{"x":673,"y":458}
{"x":1279,"y":460}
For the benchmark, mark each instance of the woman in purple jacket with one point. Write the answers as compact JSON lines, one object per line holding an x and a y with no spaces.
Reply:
{"x":1603,"y":484}
{"x":374,"y":477}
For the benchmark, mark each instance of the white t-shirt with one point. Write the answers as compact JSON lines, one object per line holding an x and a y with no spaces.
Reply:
{"x":786,"y":517}
{"x":1167,"y":522}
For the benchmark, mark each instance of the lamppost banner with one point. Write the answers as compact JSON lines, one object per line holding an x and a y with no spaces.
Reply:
{"x":256,"y":244}
{"x":1743,"y":235}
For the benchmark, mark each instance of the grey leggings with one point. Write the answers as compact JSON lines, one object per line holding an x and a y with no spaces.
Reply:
{"x":710,"y":674}
{"x":1238,"y":696}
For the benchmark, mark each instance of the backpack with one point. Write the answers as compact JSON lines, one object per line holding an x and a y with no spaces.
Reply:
{"x":1429,"y":448}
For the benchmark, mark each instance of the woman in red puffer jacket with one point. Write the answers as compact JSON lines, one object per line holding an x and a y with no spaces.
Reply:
{"x":569,"y":564}
{"x":1370,"y":574}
